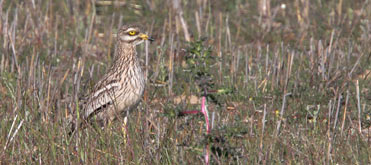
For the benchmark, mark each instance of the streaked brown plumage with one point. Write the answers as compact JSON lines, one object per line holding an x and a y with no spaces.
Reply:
{"x":121,"y":88}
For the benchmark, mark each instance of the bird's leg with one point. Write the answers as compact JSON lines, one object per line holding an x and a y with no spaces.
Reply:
{"x":124,"y":130}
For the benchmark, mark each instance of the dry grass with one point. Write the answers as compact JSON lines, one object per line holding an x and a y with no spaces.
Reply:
{"x":288,"y":82}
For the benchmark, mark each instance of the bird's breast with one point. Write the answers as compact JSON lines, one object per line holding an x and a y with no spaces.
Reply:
{"x":133,"y":88}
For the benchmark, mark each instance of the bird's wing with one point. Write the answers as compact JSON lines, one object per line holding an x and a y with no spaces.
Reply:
{"x":103,"y":96}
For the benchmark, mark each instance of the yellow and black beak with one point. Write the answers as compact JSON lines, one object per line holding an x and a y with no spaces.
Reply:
{"x":145,"y":37}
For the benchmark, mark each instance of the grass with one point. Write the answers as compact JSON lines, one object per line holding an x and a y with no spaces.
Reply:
{"x":286,"y":82}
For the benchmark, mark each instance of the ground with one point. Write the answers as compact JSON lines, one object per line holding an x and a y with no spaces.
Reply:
{"x":285,"y":82}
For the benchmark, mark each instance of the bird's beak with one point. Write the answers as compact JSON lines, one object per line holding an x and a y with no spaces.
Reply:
{"x":145,"y":37}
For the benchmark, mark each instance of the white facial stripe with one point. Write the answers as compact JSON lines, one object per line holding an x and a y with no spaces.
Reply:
{"x":128,"y":38}
{"x":130,"y":29}
{"x":106,"y":88}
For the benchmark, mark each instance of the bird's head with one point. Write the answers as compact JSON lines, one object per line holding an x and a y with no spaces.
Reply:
{"x":132,"y":34}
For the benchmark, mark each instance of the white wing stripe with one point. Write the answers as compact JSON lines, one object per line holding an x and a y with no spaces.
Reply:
{"x":106,"y":88}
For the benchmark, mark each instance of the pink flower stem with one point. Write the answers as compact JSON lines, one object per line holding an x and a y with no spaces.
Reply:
{"x":206,"y":113}
{"x":207,"y":155}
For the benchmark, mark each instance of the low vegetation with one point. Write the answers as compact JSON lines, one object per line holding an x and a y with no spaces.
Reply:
{"x":285,"y":82}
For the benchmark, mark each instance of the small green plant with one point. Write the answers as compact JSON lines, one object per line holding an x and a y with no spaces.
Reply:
{"x":199,"y":63}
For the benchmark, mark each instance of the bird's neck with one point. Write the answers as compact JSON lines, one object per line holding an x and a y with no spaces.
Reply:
{"x":126,"y":54}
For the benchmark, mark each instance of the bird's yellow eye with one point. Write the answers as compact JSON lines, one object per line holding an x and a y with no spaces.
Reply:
{"x":132,"y":33}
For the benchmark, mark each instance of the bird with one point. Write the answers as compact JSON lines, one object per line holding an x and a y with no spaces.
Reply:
{"x":121,"y":88}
